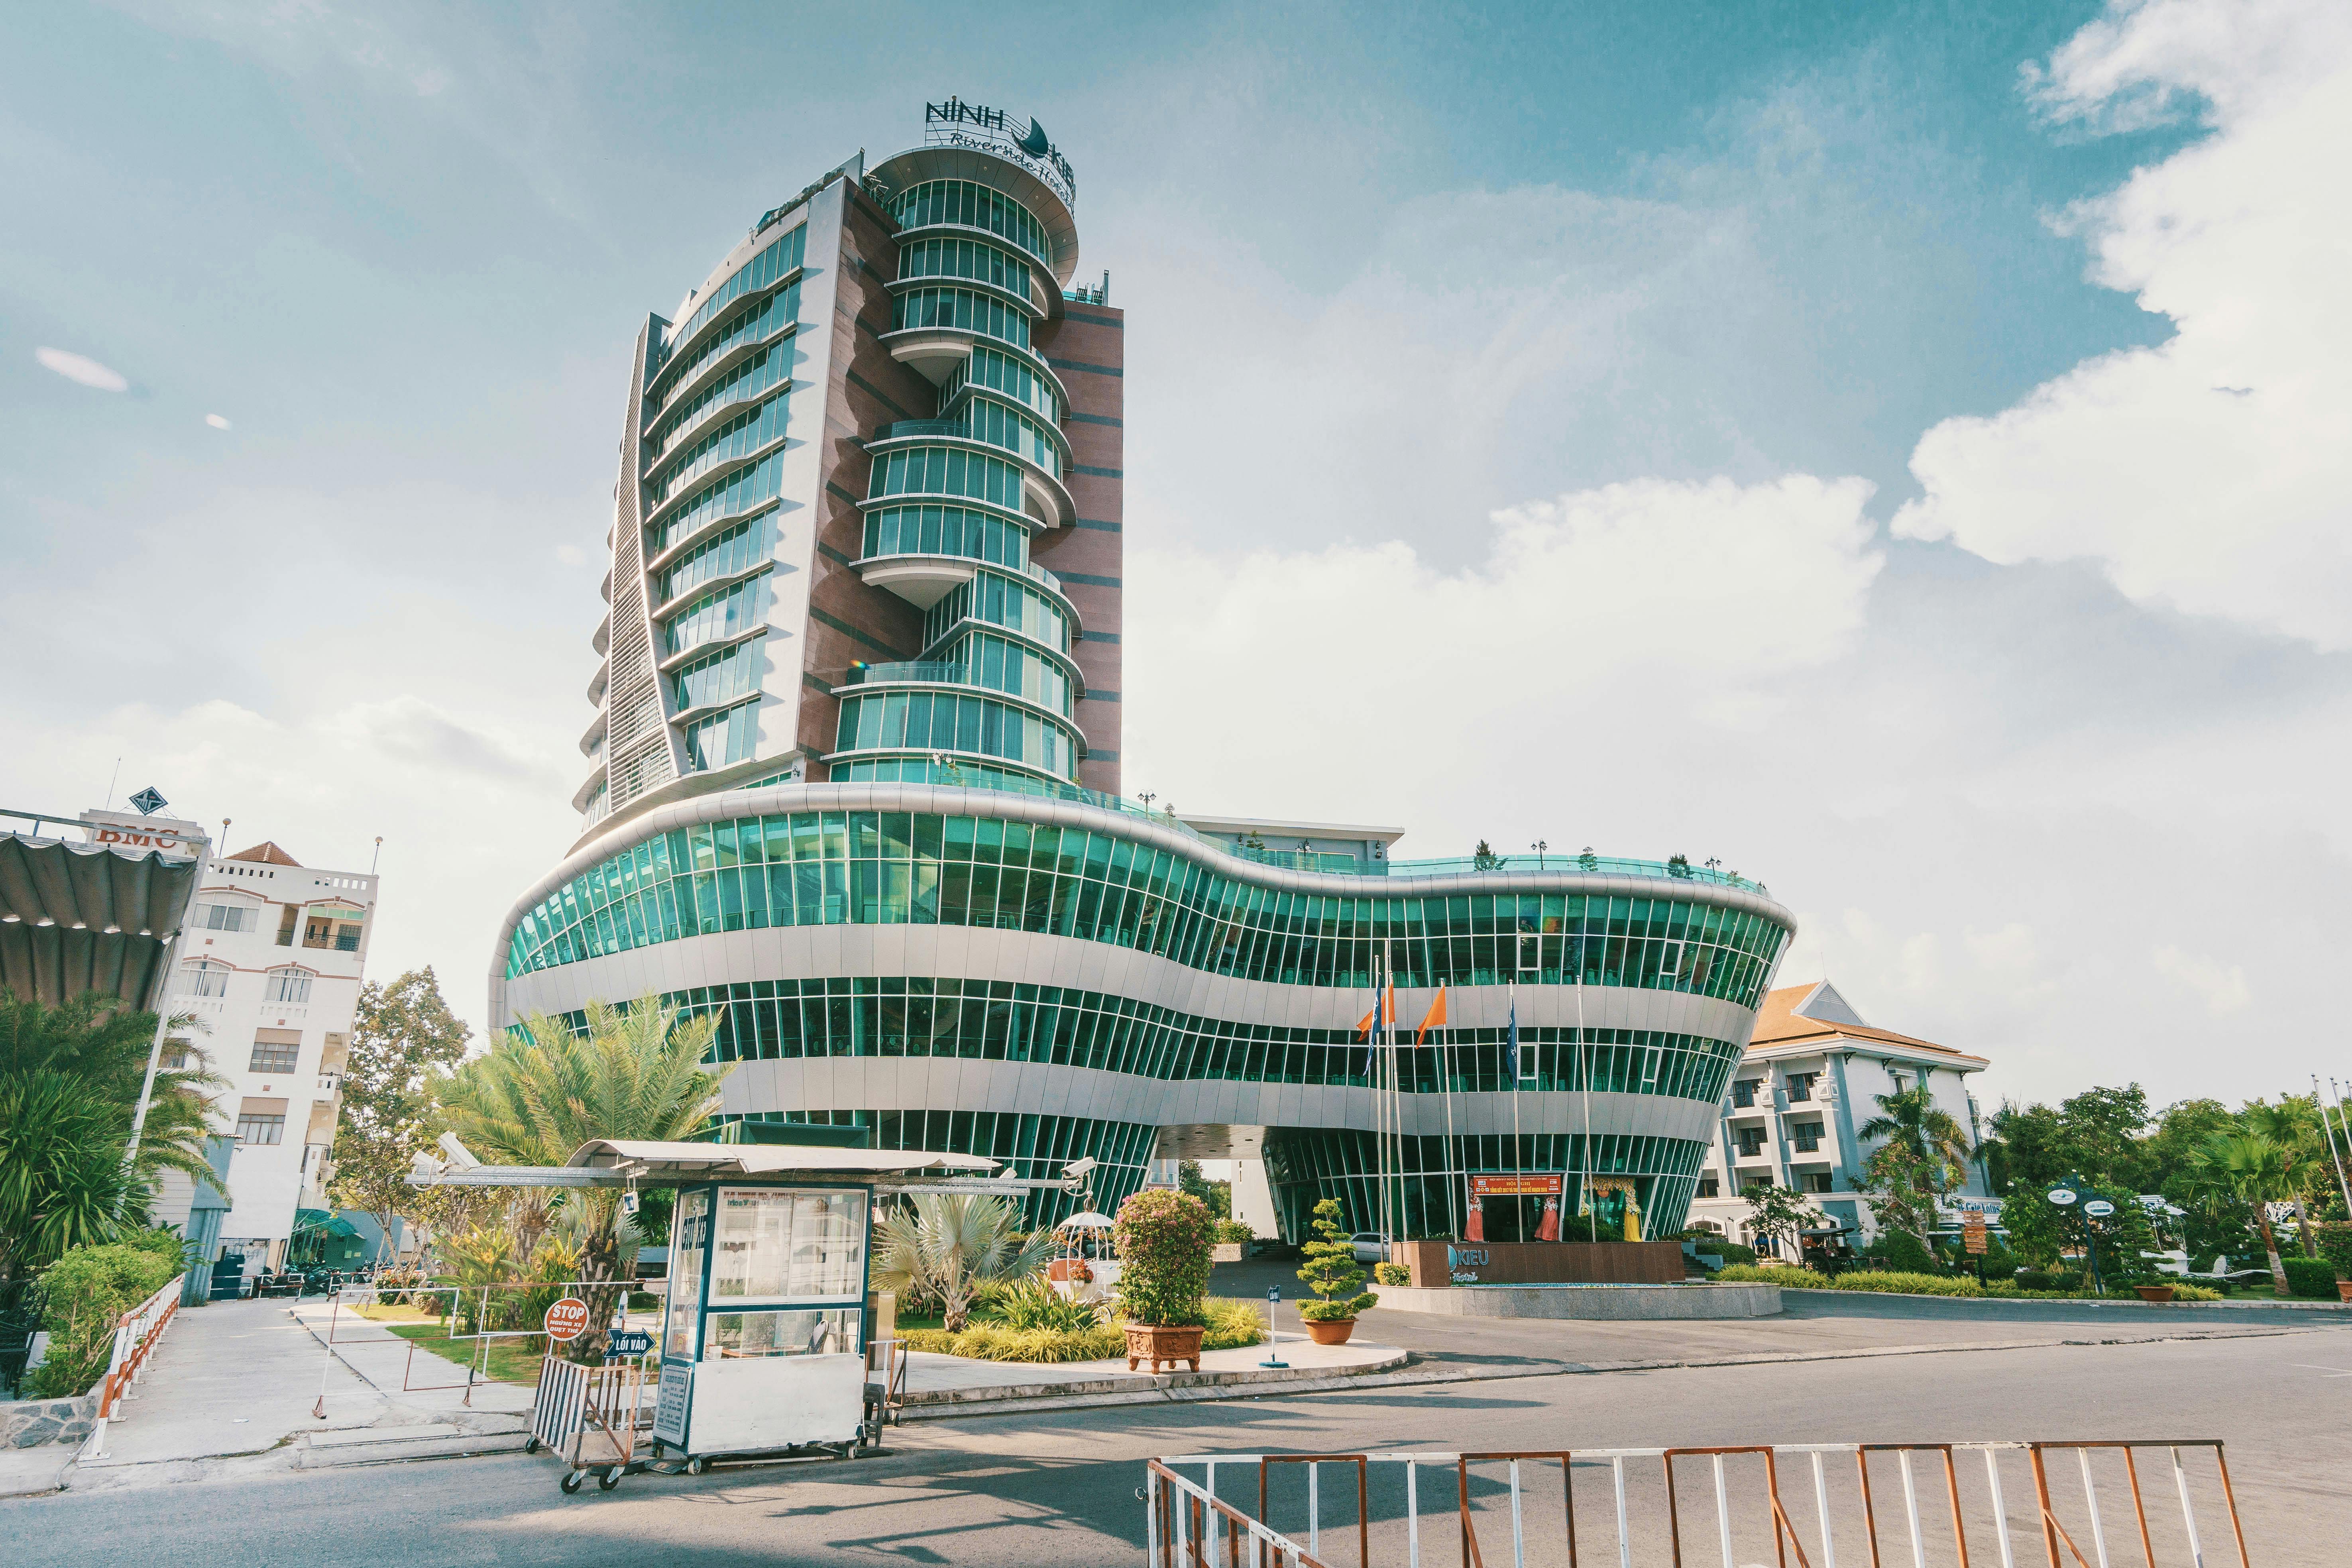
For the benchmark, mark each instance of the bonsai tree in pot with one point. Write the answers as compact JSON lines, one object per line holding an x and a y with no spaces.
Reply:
{"x":1331,"y":1273}
{"x":1163,"y":1239}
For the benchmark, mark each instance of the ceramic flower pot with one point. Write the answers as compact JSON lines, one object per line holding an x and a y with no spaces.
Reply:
{"x":2153,"y":1292}
{"x":1330,"y":1331}
{"x":1158,"y":1344}
{"x":2344,"y":1290}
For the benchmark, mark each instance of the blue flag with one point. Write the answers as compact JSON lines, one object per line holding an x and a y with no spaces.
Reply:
{"x":1511,"y":1041}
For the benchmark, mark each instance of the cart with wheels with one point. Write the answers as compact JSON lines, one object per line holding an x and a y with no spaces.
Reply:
{"x":587,"y":1415}
{"x":765,"y":1340}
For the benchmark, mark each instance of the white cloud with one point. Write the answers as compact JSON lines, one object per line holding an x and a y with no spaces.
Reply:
{"x":1650,"y":603}
{"x":2208,"y":473}
{"x":82,"y":368}
{"x":217,"y":421}
{"x":570,"y":554}
{"x":2221,"y":987}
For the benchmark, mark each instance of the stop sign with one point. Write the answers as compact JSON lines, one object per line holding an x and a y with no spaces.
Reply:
{"x":567,"y":1319}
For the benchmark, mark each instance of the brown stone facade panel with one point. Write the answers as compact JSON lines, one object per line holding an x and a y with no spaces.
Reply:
{"x":850,"y":621}
{"x":1541,"y":1262}
{"x":1087,"y":349}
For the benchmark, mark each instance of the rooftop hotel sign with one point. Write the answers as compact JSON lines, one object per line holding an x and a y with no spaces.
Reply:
{"x":956,"y":124}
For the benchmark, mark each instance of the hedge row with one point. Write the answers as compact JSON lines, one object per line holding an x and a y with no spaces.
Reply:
{"x":1889,"y":1282}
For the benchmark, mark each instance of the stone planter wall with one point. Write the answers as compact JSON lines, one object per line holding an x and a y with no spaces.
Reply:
{"x":28,"y":1423}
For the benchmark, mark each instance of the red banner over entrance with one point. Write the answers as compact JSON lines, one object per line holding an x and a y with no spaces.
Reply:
{"x":1530,"y":1184}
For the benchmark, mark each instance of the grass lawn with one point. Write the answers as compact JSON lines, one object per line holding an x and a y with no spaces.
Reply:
{"x":510,"y":1361}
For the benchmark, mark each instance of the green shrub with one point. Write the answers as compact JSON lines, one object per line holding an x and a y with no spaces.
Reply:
{"x":1032,"y":1303}
{"x":2314,"y":1276}
{"x":87,"y":1289}
{"x":1231,"y":1324}
{"x":1332,"y":1272}
{"x":1391,"y":1274}
{"x":1163,"y":1239}
{"x":995,"y":1342}
{"x":1902,"y":1253}
{"x":2040,"y":1279}
{"x":2334,"y":1237}
{"x":1895,"y":1282}
{"x":2181,"y":1292}
{"x":1780,"y":1273}
{"x":1731,"y":1251}
{"x":1231,"y":1232}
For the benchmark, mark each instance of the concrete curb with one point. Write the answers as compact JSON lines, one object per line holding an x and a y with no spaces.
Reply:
{"x":1142,"y":1389}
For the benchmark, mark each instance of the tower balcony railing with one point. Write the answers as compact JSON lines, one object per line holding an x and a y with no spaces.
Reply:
{"x":892,"y":432}
{"x":1031,"y":569}
{"x":946,"y":671}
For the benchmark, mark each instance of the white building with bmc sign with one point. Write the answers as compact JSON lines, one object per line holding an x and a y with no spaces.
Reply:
{"x":271,"y":967}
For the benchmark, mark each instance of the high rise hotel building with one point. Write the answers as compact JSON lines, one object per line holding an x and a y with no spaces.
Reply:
{"x":853,"y":780}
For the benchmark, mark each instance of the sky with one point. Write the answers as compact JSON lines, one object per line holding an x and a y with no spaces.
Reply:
{"x":1899,"y":450}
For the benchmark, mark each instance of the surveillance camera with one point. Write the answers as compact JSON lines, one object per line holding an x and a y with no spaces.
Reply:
{"x":1081,"y":1167}
{"x":460,"y":1155}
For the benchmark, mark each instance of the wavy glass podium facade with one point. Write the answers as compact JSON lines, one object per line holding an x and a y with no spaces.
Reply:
{"x":1037,"y":979}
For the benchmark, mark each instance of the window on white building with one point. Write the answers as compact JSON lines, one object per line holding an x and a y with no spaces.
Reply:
{"x":255,"y":1129}
{"x":289,"y":985}
{"x":238,"y":917}
{"x":275,"y":1055}
{"x":205,"y":978}
{"x":1801,"y":1085}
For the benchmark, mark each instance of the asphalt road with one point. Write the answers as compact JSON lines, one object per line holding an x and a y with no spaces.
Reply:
{"x":1058,"y":1489}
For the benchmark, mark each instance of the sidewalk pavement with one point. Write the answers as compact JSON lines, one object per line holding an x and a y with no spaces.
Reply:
{"x":232,"y":1387}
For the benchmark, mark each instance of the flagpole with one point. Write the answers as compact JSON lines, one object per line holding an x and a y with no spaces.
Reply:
{"x":1374,"y":1069}
{"x":1519,"y":1156}
{"x":1453,"y":1212}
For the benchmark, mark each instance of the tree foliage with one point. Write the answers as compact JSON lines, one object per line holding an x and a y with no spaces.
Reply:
{"x":71,"y":1078}
{"x":543,"y":1090}
{"x":1331,"y":1271}
{"x":1782,"y":1214}
{"x":2253,"y":1171}
{"x":404,"y":1042}
{"x":1217,"y":1197}
{"x":951,"y":1248}
{"x":1164,"y":1240}
{"x":1923,"y":1157}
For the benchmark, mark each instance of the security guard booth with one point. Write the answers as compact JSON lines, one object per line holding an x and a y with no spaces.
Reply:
{"x":763,"y":1327}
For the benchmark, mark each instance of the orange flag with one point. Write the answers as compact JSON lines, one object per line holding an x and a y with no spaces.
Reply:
{"x":1383,"y":1012}
{"x":1435,"y":1019}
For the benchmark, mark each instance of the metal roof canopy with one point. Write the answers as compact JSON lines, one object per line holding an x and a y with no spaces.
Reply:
{"x":75,"y":918}
{"x":608,"y":1162}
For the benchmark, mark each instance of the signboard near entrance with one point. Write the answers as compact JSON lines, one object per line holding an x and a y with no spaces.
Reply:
{"x":1973,"y":1234}
{"x":1529,"y":1185}
{"x":567,"y":1319}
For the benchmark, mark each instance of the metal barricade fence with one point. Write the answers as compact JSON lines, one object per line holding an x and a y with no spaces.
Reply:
{"x":136,"y":1333}
{"x":463,"y":1313}
{"x":1926,"y":1505}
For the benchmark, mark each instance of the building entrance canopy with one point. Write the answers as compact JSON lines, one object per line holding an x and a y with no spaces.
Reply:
{"x":98,"y":915}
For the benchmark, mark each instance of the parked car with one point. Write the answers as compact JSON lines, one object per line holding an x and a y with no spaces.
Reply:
{"x":1371,"y":1246}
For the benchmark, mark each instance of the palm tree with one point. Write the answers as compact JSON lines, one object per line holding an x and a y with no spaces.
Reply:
{"x":70,"y":1076}
{"x":954,"y":1247}
{"x":632,"y":1072}
{"x":2293,"y":1125}
{"x":2254,"y":1170}
{"x":1930,"y":1145}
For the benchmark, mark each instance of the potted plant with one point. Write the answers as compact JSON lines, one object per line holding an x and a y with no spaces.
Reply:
{"x":2153,"y":1292}
{"x":1163,"y":1239}
{"x":1233,"y":1240}
{"x":1331,"y":1273}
